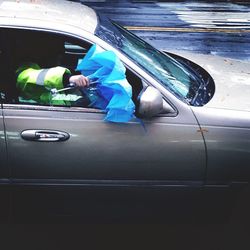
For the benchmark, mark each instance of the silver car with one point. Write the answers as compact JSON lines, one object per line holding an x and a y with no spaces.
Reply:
{"x":189,"y":144}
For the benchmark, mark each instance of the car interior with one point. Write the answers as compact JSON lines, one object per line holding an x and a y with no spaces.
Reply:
{"x":45,"y":48}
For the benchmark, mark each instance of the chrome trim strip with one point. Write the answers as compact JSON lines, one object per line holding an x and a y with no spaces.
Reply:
{"x":118,"y":183}
{"x":5,"y":181}
{"x":51,"y":108}
{"x":111,"y":183}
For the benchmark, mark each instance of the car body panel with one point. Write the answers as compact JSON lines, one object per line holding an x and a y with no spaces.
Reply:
{"x":159,"y":149}
{"x":227,"y":136}
{"x":53,"y":12}
{"x":225,"y":119}
{"x":231,"y":77}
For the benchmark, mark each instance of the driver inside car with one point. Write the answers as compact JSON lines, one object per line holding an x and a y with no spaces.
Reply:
{"x":38,"y":71}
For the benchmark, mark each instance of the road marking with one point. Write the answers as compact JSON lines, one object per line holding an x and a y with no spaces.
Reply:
{"x":171,"y":29}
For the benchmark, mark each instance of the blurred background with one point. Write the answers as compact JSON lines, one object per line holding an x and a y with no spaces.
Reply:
{"x":219,"y":27}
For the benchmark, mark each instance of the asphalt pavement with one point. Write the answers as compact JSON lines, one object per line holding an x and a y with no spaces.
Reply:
{"x":207,"y":27}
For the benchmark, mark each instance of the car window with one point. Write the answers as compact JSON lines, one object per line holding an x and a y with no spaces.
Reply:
{"x":38,"y":63}
{"x":181,"y":80}
{"x":6,"y":72}
{"x":32,"y":56}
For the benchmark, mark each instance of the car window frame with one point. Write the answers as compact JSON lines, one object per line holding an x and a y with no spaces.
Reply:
{"x":93,"y":39}
{"x":35,"y":106}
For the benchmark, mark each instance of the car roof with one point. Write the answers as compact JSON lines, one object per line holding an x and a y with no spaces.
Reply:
{"x":32,"y":13}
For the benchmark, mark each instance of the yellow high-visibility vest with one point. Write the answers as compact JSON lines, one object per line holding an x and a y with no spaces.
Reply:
{"x":35,"y":83}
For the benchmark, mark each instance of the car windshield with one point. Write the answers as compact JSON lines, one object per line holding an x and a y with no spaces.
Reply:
{"x":174,"y":76}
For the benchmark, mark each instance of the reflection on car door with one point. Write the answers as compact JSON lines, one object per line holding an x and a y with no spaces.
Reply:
{"x":99,"y":153}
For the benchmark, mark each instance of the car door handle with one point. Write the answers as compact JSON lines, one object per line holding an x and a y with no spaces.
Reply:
{"x":44,"y":135}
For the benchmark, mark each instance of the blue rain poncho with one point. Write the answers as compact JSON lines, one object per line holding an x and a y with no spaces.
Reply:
{"x":109,"y":89}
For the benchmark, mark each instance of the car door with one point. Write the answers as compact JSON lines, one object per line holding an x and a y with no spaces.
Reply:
{"x":99,"y":159}
{"x":160,"y":149}
{"x":56,"y":152}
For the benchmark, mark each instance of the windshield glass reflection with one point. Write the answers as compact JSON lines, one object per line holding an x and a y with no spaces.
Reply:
{"x":174,"y":76}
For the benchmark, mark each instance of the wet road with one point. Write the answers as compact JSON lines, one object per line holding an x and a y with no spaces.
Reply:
{"x":221,"y":28}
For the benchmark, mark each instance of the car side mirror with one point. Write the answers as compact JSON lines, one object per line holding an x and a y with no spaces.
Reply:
{"x":150,"y":102}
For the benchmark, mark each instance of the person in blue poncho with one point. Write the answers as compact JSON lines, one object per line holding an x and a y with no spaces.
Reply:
{"x":114,"y":92}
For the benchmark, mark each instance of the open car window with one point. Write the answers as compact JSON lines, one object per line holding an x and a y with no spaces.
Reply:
{"x":41,"y":63}
{"x":35,"y":51}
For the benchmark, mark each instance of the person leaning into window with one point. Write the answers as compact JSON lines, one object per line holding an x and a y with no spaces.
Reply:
{"x":38,"y":72}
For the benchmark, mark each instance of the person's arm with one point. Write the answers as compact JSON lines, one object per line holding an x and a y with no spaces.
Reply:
{"x":55,"y":77}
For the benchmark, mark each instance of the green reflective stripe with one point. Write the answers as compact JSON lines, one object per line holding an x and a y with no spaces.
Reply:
{"x":41,"y":77}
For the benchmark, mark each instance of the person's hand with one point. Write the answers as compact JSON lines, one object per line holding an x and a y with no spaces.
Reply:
{"x":79,"y":80}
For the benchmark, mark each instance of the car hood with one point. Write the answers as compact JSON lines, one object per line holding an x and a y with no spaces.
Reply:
{"x":231,"y":77}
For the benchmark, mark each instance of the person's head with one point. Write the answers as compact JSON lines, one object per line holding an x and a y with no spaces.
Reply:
{"x":39,"y":47}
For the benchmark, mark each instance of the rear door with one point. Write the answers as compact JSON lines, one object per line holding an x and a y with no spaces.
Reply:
{"x":101,"y":164}
{"x":4,"y":167}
